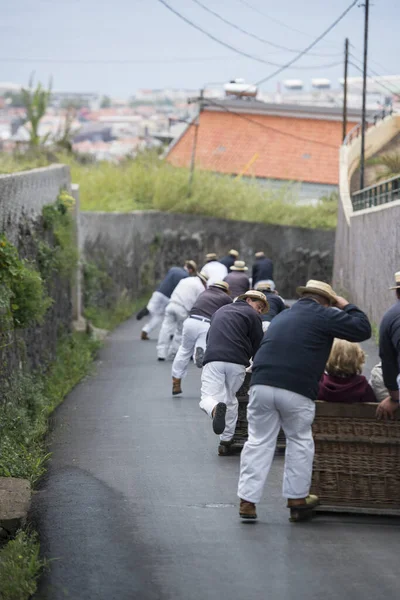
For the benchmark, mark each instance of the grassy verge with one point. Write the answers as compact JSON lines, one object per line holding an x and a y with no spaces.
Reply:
{"x":150,"y":183}
{"x":28,"y":401}
{"x":20,"y":567}
{"x":105,"y":318}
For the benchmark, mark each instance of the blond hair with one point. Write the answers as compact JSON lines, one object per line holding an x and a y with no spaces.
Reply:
{"x":346,"y":358}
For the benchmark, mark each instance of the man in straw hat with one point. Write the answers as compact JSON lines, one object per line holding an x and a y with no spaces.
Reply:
{"x":160,"y":298}
{"x":215,"y":270}
{"x":263,"y":270}
{"x":229,"y":260}
{"x":237,"y":279}
{"x":234,"y":337}
{"x":389,"y":351}
{"x":181,"y":303}
{"x":284,"y":385}
{"x":195,"y":330}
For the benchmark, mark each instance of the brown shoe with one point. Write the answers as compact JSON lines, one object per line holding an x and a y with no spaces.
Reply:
{"x":247,"y":511}
{"x":309,"y":502}
{"x":144,"y":336}
{"x":224,"y":448}
{"x":176,"y":386}
{"x":302,"y":509}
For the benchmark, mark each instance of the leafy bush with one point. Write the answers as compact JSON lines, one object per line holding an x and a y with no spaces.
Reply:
{"x":28,"y":400}
{"x":64,"y":256}
{"x":20,"y":566}
{"x":23,"y":300}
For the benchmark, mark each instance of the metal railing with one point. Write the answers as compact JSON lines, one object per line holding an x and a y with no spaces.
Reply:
{"x":377,"y":194}
{"x":371,"y":122}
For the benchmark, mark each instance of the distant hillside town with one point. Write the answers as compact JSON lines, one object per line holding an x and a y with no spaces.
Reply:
{"x":109,"y":128}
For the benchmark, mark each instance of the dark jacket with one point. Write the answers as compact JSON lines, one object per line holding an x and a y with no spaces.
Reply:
{"x":210,"y":301}
{"x":389,"y":346}
{"x":263,"y":269}
{"x":228,"y":261}
{"x":294,"y":352}
{"x":235,"y":334}
{"x":276,"y":306}
{"x":238,"y":283}
{"x":354,"y":388}
{"x":171,"y":280}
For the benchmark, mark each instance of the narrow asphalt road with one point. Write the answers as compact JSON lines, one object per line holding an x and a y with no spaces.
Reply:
{"x":137,"y":504}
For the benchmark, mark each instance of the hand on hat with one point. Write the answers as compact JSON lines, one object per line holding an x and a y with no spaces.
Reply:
{"x":341,"y":302}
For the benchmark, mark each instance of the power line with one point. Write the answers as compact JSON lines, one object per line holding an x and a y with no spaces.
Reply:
{"x":114,"y":61}
{"x":253,"y":35}
{"x":392,"y":92}
{"x":237,"y":50}
{"x":310,"y":46}
{"x":274,"y":19}
{"x":267,"y":127}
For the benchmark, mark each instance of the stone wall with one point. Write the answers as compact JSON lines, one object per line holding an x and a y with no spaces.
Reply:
{"x":136,"y":249}
{"x":367,"y":255}
{"x":22,"y":198}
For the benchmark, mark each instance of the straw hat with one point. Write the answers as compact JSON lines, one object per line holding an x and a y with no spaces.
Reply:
{"x":318,"y":287}
{"x":202,"y":276}
{"x":221,"y":284}
{"x":234,"y":253}
{"x":259,"y":255}
{"x":239,"y":265}
{"x":264,"y":287}
{"x":255,"y":295}
{"x":192,"y":264}
{"x":397,"y":280}
{"x":211,"y":256}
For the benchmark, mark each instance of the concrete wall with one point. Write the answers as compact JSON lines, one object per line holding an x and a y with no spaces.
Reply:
{"x":136,"y":249}
{"x":23,"y":195}
{"x":22,"y":198}
{"x":367,"y":242}
{"x":367,"y":255}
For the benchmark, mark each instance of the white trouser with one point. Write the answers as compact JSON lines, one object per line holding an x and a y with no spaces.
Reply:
{"x":175,"y":315}
{"x":156,"y":307}
{"x":269,"y":409}
{"x":219,"y":383}
{"x":193,"y":335}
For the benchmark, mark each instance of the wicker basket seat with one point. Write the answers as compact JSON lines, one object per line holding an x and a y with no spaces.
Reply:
{"x":357,"y":459}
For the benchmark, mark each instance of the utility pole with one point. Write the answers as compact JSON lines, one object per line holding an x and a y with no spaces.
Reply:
{"x":346,"y":66}
{"x":364,"y":96}
{"x":194,"y":147}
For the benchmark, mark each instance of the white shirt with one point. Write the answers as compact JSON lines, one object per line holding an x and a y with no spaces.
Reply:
{"x":187,"y":291}
{"x":215,"y":270}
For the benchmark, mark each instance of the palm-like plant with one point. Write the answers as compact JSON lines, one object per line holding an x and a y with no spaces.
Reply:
{"x":389,"y":165}
{"x":35,"y":101}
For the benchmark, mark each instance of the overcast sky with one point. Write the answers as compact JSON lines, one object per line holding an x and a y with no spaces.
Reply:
{"x":157,"y":46}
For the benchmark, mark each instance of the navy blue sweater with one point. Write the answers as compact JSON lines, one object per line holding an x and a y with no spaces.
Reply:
{"x":171,"y":280}
{"x":263,"y":269}
{"x":235,"y":334}
{"x":296,"y":347}
{"x":228,"y":261}
{"x":389,"y":346}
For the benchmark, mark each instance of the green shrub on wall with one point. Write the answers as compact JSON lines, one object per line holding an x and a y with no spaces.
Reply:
{"x":23,"y":300}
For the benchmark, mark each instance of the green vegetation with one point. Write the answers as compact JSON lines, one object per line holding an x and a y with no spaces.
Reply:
{"x":20,"y":566}
{"x":35,"y":102}
{"x":23,"y":300}
{"x":388,"y":165}
{"x":29,"y":399}
{"x":147,"y":183}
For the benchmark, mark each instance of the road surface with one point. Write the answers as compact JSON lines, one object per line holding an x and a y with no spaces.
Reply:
{"x":137,"y":504}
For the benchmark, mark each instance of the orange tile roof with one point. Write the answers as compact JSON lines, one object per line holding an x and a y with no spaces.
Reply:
{"x":228,"y":144}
